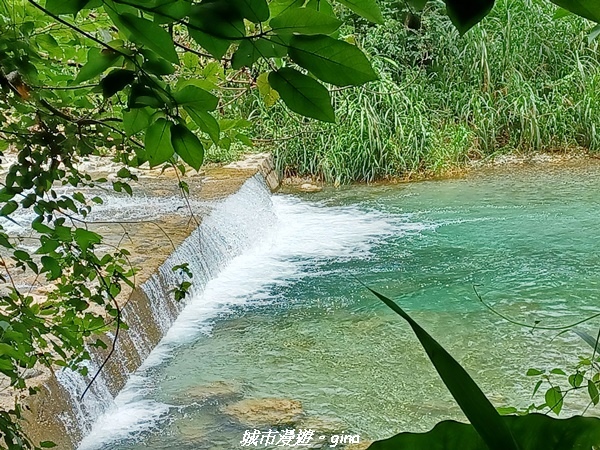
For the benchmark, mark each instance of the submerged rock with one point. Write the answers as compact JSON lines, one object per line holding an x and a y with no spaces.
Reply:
{"x":217,"y":389}
{"x":361,"y":446}
{"x":309,"y":187}
{"x":264,"y":412}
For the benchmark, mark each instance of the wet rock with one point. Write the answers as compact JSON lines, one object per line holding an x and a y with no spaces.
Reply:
{"x":309,"y":187}
{"x":360,"y":446}
{"x":217,"y":389}
{"x":265,"y":412}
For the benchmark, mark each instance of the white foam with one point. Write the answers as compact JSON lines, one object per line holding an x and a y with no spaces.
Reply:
{"x":304,"y":235}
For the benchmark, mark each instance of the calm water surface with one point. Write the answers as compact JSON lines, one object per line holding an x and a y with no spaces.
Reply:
{"x":299,"y":325}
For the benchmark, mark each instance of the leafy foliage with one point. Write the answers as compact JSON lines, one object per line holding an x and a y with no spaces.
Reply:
{"x":488,"y":430}
{"x":146,"y":82}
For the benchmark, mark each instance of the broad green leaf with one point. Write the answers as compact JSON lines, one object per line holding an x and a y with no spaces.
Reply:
{"x":590,"y":9}
{"x":254,"y":10}
{"x":554,"y":399}
{"x":66,"y":6}
{"x":151,"y":35}
{"x":558,"y":371}
{"x":280,"y":6}
{"x":304,"y":21}
{"x":250,"y":51}
{"x":302,"y":94}
{"x":51,"y":266}
{"x":168,"y":11}
{"x":47,"y":444}
{"x":267,"y":93}
{"x":218,"y":19}
{"x":156,"y":65}
{"x":97,"y":62}
{"x":86,"y":238}
{"x":196,"y":98}
{"x":330,"y":60}
{"x":136,"y":120}
{"x":322,"y":6}
{"x":215,"y":46}
{"x":593,"y":392}
{"x":576,"y":379}
{"x":205,"y":121}
{"x":533,"y":372}
{"x":465,"y":14}
{"x":531,"y":431}
{"x":158,"y":142}
{"x":560,"y":13}
{"x":369,"y":9}
{"x":473,"y":403}
{"x":187,"y":145}
{"x":417,"y":5}
{"x":116,"y":81}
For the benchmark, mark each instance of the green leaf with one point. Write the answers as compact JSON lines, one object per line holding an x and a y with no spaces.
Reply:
{"x":250,"y":51}
{"x":533,"y":372}
{"x":280,"y":6}
{"x":591,"y":341}
{"x":215,"y":46}
{"x":218,"y":19}
{"x":560,"y":13}
{"x":593,"y":392}
{"x":330,"y":60}
{"x":168,"y":11}
{"x":531,"y":431}
{"x":302,"y":94}
{"x":66,"y":6}
{"x":136,"y":120}
{"x":47,"y":444}
{"x":187,"y":145}
{"x":97,"y":62}
{"x":254,"y":10}
{"x":593,"y":35}
{"x":576,"y":379}
{"x":369,"y":9}
{"x":267,"y":93}
{"x":417,"y":5}
{"x":474,"y":404}
{"x":304,"y":21}
{"x":9,"y":208}
{"x":116,"y":81}
{"x":86,"y":238}
{"x":558,"y":371}
{"x":590,"y":9}
{"x":151,"y":35}
{"x":50,"y":265}
{"x":196,"y":98}
{"x":554,"y":399}
{"x":465,"y":14}
{"x":158,"y":142}
{"x":205,"y":121}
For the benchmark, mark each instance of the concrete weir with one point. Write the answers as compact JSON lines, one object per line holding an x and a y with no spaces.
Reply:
{"x":229,"y":204}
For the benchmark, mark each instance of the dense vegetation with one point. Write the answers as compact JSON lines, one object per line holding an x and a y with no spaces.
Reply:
{"x":520,"y":81}
{"x":158,"y":82}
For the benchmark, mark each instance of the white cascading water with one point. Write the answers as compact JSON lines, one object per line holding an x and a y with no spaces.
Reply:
{"x":232,"y":226}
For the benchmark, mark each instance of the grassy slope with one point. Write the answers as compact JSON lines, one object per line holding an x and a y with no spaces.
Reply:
{"x":518,"y":82}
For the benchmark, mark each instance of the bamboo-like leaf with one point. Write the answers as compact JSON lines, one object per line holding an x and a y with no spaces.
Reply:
{"x":532,"y":432}
{"x":590,"y":9}
{"x":474,"y":404}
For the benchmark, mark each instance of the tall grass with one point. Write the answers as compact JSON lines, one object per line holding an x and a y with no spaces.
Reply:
{"x":518,"y":82}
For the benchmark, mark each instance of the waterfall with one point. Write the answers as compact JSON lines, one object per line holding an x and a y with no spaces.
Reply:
{"x":232,"y":226}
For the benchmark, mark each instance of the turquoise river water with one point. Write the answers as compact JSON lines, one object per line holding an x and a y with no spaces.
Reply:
{"x":295,"y":323}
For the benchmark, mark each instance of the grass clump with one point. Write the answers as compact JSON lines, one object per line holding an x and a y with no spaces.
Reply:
{"x":520,"y":81}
